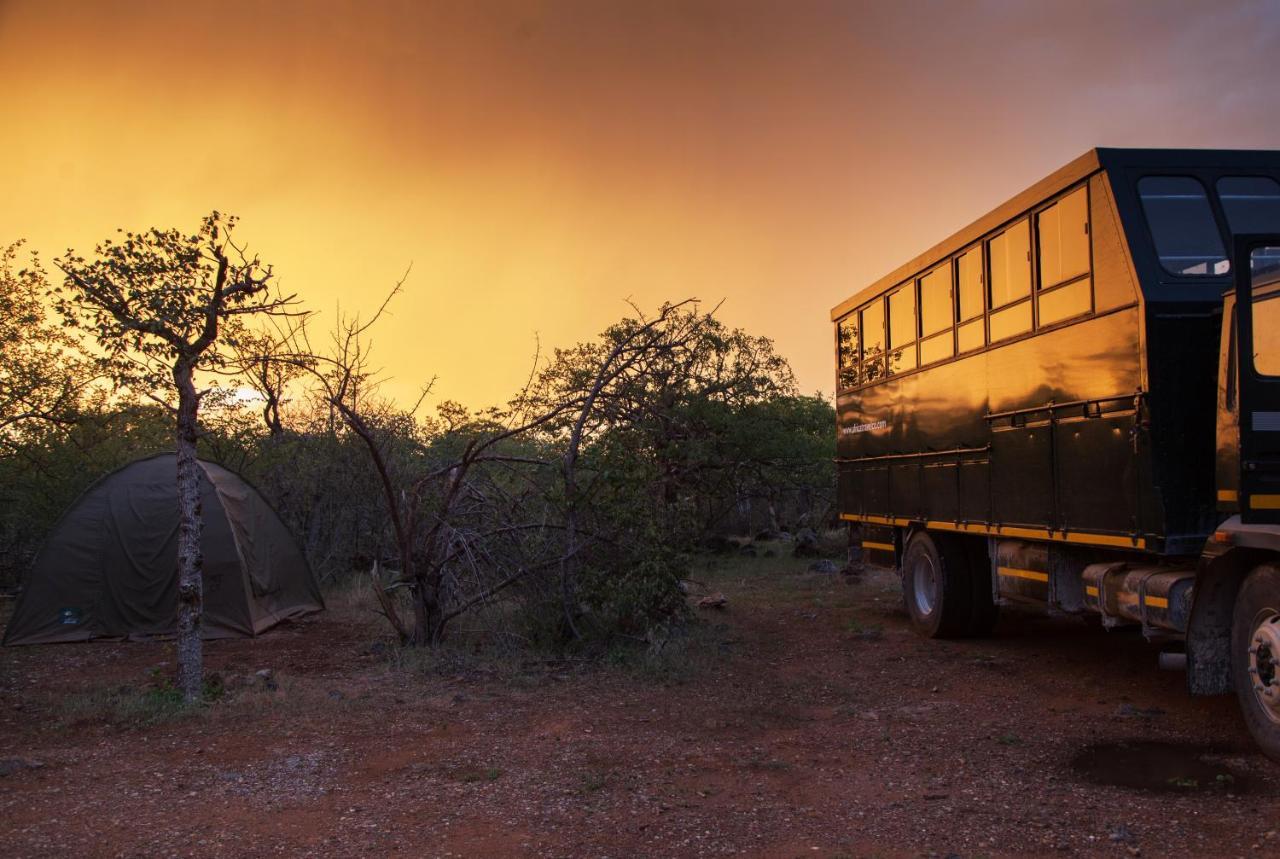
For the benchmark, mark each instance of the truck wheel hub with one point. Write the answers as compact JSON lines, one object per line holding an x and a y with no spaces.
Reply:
{"x":1264,"y":652}
{"x":924,"y":585}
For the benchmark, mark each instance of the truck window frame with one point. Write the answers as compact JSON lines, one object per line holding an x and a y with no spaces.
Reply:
{"x":1211,"y":197}
{"x":946,"y":332}
{"x":1038,"y":286}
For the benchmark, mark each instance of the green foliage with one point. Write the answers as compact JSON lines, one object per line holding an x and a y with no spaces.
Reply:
{"x":127,"y":706}
{"x":632,"y":584}
{"x":690,"y":428}
{"x":574,"y":533}
{"x":159,"y":296}
{"x":43,"y":373}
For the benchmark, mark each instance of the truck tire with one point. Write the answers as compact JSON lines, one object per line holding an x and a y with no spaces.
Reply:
{"x":1255,"y":656}
{"x":937,"y":586}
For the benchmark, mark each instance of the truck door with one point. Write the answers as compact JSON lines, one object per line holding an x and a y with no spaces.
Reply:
{"x":1257,"y":281}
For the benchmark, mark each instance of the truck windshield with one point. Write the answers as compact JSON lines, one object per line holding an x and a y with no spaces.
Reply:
{"x":1252,"y":203}
{"x":1182,"y":225}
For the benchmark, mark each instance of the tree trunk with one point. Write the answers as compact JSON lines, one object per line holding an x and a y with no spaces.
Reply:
{"x":428,"y":618}
{"x":568,"y":600}
{"x":190,"y":525}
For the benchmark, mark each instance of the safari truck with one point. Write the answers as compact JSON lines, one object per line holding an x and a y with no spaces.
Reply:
{"x":1074,"y":402}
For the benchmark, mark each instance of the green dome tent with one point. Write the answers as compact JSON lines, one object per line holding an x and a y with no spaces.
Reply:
{"x":109,"y":567}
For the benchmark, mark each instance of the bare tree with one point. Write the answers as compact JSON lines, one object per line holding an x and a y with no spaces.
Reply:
{"x":446,"y":516}
{"x":267,"y":370}
{"x":564,"y":495}
{"x":157,"y":303}
{"x":473,"y":503}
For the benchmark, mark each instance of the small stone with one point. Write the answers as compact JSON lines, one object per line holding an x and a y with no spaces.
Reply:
{"x":1121,"y":834}
{"x":714,"y":601}
{"x":9,"y":766}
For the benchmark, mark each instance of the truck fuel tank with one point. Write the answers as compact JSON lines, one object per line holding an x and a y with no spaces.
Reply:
{"x":1156,"y":596}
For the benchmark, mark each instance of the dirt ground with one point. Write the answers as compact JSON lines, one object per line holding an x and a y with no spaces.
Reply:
{"x":804,"y":720}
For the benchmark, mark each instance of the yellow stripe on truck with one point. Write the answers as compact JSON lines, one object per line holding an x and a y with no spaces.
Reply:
{"x":1083,"y":538}
{"x":1264,"y":502}
{"x":1029,"y":575}
{"x":884,"y":547}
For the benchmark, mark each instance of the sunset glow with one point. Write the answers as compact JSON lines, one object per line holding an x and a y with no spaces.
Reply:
{"x":540,"y":163}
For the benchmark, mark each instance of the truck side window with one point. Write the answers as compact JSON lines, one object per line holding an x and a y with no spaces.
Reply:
{"x":847,"y":350}
{"x":972,"y":332}
{"x":1264,"y":264}
{"x":1063,"y":233}
{"x":873,"y":341}
{"x":1182,"y":226}
{"x":1010,"y":256}
{"x":1009,"y":263}
{"x":1011,"y":321}
{"x":902,"y":329}
{"x":1266,"y":334}
{"x":937,"y":315}
{"x":1063,"y":230}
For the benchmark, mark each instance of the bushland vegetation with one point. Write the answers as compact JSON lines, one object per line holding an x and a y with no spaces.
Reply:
{"x":566,"y":517}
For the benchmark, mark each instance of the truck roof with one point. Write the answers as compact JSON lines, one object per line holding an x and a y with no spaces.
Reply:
{"x":1090,"y":162}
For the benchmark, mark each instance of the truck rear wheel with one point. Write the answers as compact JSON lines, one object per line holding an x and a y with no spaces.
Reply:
{"x":1255,"y":656}
{"x":937,"y":586}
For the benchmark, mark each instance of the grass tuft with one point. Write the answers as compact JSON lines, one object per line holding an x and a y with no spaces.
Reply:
{"x":128,"y":706}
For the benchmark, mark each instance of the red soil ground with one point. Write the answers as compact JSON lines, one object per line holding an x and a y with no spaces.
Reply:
{"x":804,"y":720}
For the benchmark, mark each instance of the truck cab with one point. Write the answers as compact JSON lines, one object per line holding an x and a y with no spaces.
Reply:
{"x":1233,"y":639}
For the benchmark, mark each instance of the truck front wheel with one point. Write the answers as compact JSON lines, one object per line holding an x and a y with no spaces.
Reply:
{"x":1255,"y":656}
{"x":937,"y":586}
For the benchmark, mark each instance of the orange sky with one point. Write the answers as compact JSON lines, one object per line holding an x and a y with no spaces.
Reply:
{"x":540,"y":162}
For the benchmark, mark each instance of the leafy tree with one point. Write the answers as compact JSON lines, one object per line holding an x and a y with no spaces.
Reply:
{"x":42,"y":373}
{"x":713,"y":410}
{"x":159,"y":304}
{"x":688,"y":420}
